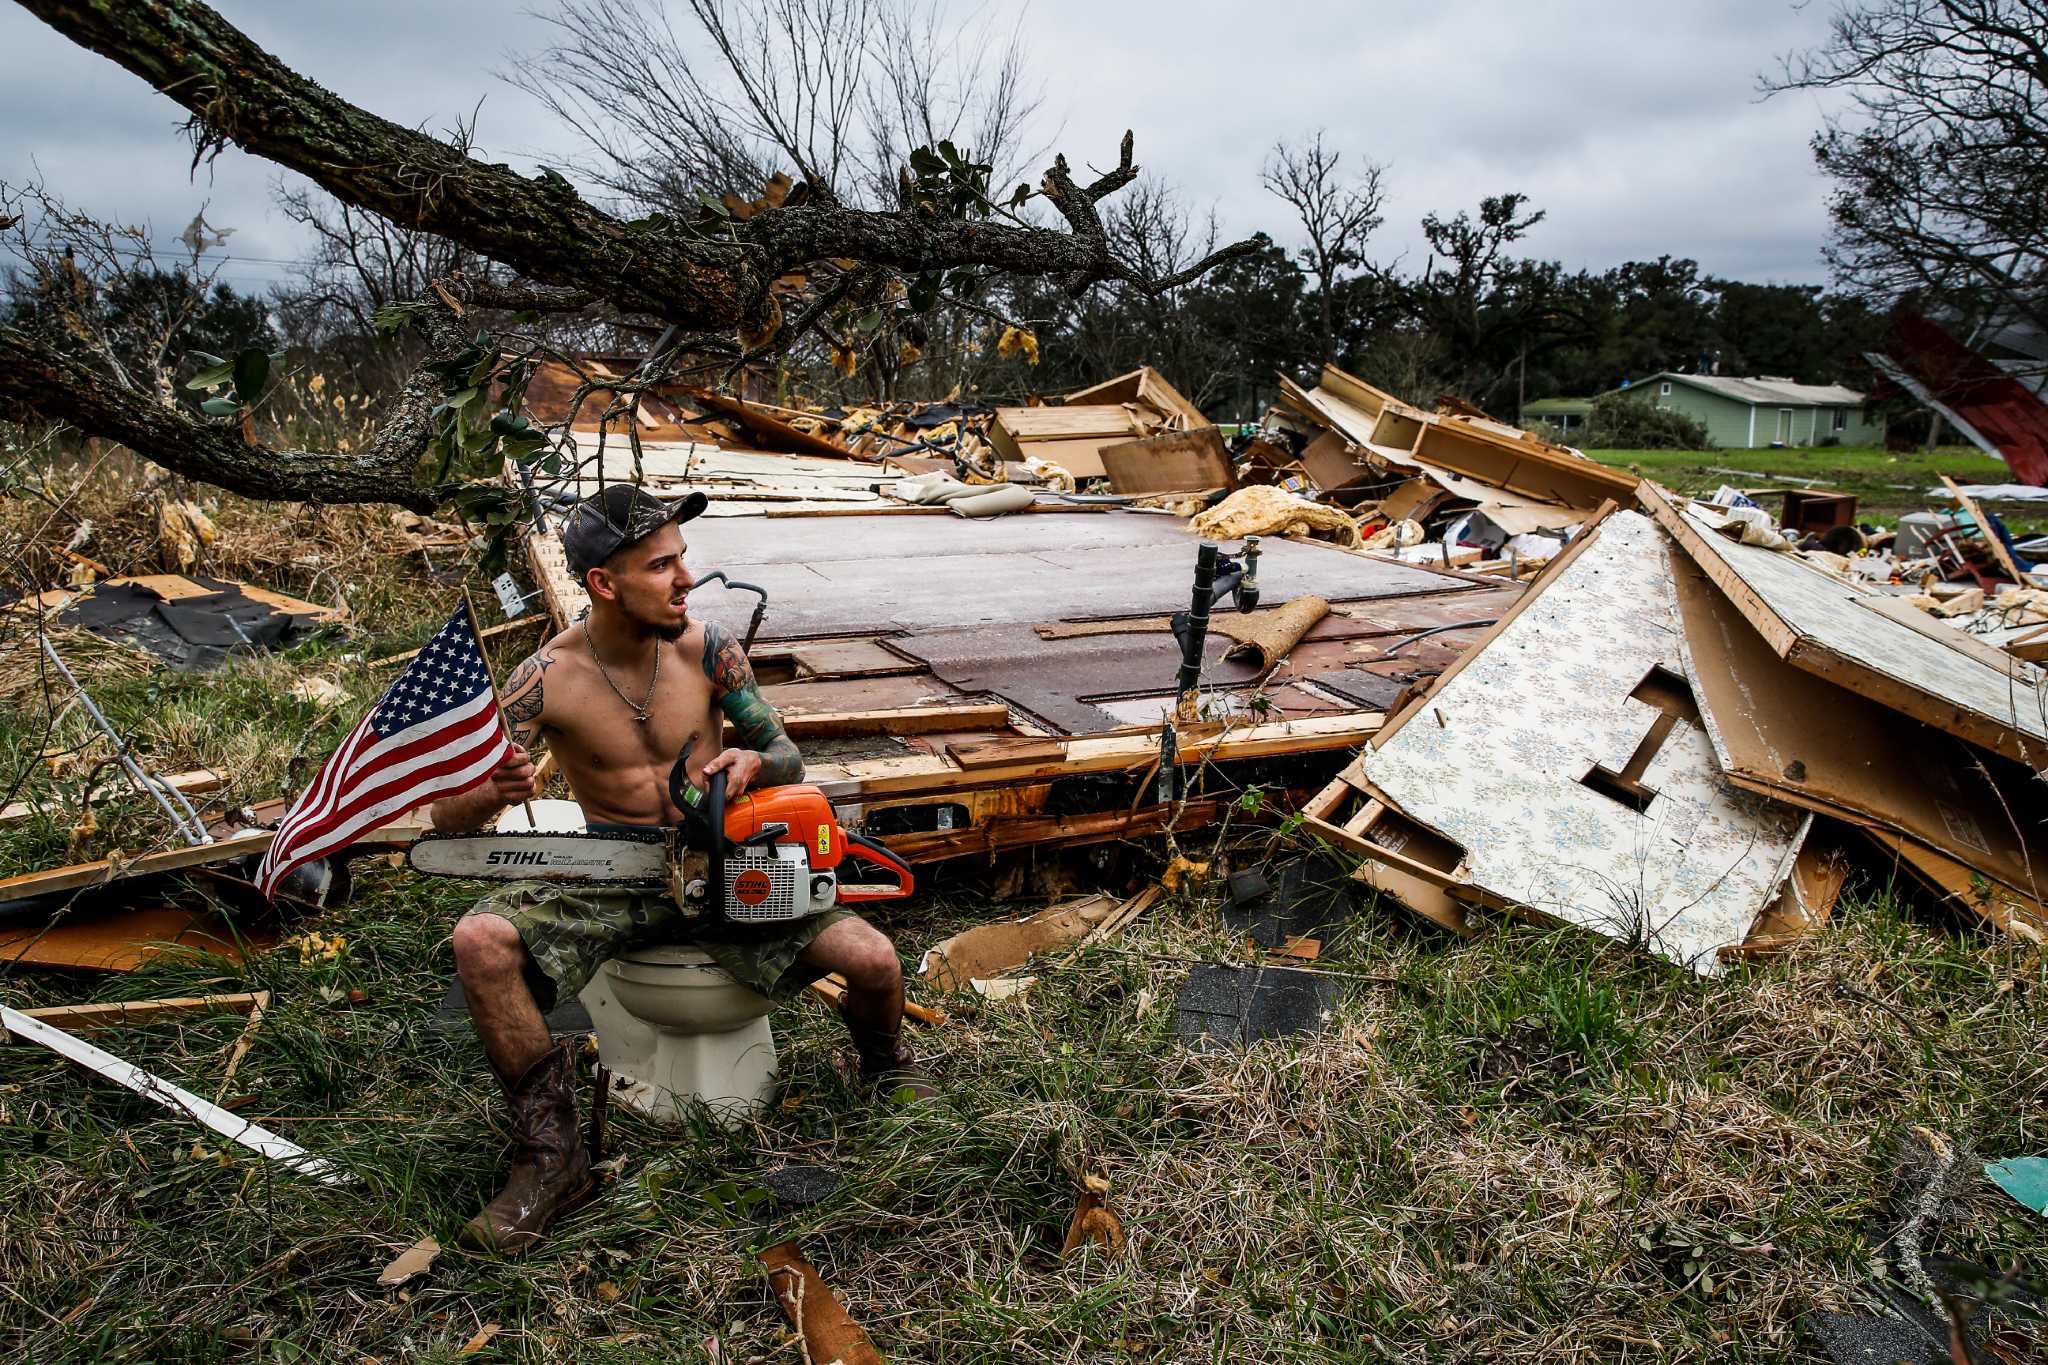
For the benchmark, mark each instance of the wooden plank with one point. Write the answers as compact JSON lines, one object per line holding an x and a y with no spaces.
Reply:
{"x":999,"y":752}
{"x":2000,"y":556}
{"x":923,"y":773}
{"x":114,"y":1013}
{"x":192,"y":783}
{"x":908,"y":720}
{"x":1962,"y":888}
{"x":159,"y":1091}
{"x":1806,"y":904}
{"x":1759,"y":613}
{"x":238,"y":845}
{"x":1172,"y":462}
{"x":761,"y":424}
{"x":1002,"y":833}
{"x":1050,"y":423}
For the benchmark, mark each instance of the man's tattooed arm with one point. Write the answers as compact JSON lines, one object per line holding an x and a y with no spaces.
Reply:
{"x":524,"y":699}
{"x":739,"y":697}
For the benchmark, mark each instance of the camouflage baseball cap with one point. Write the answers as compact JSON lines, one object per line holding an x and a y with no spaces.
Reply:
{"x":623,"y":513}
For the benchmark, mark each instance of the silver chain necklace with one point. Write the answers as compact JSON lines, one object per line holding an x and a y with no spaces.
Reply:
{"x":642,"y":711}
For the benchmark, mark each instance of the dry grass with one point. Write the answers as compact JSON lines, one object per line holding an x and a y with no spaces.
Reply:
{"x":1536,"y":1146}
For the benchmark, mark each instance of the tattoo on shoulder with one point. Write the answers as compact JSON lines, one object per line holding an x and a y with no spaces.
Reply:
{"x":524,"y":699}
{"x":725,"y":663}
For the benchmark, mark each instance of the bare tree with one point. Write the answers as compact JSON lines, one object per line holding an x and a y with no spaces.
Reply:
{"x":718,"y":102}
{"x":1941,"y":159}
{"x":360,"y":264}
{"x":716,"y":273}
{"x":1337,"y":215}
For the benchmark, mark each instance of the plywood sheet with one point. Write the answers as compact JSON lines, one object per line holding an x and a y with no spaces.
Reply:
{"x":1796,"y":736}
{"x":1816,"y":621}
{"x":1496,"y":759}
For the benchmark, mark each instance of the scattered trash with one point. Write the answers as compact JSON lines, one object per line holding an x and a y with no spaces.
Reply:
{"x":800,"y":1185}
{"x":984,"y":958}
{"x":481,"y":1339}
{"x":1223,"y":1006}
{"x":192,"y":623}
{"x":1094,"y":1222}
{"x":2025,"y":1178}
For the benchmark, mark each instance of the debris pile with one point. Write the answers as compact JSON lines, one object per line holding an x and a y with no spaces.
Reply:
{"x":1643,"y":746}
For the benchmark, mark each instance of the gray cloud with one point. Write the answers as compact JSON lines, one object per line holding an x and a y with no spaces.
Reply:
{"x":1636,"y":126}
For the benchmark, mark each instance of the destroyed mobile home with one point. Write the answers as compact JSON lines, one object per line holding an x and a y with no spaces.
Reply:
{"x":1542,"y":687}
{"x":1497,"y":677}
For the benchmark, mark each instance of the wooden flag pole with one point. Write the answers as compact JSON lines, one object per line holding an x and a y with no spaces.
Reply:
{"x":476,"y":628}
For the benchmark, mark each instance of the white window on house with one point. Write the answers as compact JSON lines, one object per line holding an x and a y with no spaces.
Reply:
{"x":1841,"y":416}
{"x":1664,"y":389}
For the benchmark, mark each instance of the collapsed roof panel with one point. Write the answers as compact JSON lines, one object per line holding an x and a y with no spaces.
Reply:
{"x":1786,"y":733}
{"x":1566,"y":758}
{"x":1868,"y":641}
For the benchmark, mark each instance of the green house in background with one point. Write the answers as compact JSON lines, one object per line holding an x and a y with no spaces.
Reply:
{"x":1568,"y":415}
{"x":1749,"y":413}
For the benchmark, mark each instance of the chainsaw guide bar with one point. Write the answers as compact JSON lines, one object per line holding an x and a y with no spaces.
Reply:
{"x":607,"y":858}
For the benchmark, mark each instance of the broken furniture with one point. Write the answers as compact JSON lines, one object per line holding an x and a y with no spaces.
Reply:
{"x":1814,"y":511}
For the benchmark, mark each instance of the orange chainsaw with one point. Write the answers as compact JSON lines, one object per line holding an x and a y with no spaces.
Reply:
{"x":773,"y":855}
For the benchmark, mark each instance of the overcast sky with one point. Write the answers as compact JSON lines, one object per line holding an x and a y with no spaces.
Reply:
{"x":1637,"y":126}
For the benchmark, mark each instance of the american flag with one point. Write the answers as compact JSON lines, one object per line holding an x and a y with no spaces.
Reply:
{"x":434,"y":733}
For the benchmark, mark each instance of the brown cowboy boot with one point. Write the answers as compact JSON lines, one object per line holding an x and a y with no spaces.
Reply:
{"x":889,"y":1067}
{"x":550,"y":1165}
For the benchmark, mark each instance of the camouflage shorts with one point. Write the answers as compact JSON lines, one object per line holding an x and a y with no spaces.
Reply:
{"x":571,"y":931}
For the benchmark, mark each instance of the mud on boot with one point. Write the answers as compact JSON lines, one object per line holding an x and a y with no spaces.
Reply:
{"x":889,"y":1068}
{"x":550,"y":1173}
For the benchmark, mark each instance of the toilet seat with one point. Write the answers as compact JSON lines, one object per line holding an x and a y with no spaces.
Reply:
{"x":668,"y":955}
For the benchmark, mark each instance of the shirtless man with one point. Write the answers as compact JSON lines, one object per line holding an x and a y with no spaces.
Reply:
{"x":619,"y":695}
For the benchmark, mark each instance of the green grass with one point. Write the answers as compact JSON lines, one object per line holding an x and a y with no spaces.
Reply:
{"x":1536,"y":1145}
{"x":1885,"y":483}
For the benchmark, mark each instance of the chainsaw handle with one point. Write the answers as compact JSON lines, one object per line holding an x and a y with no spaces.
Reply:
{"x":714,"y":889}
{"x":876,"y":855}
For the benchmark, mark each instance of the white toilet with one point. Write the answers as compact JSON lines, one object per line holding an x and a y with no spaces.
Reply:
{"x":673,"y":1027}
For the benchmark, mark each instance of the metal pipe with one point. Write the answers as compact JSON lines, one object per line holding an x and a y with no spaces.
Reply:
{"x":193,"y":832}
{"x":1192,"y":640}
{"x":1197,"y":634}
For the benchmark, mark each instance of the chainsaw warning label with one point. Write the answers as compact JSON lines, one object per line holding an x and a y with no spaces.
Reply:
{"x":752,"y":887}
